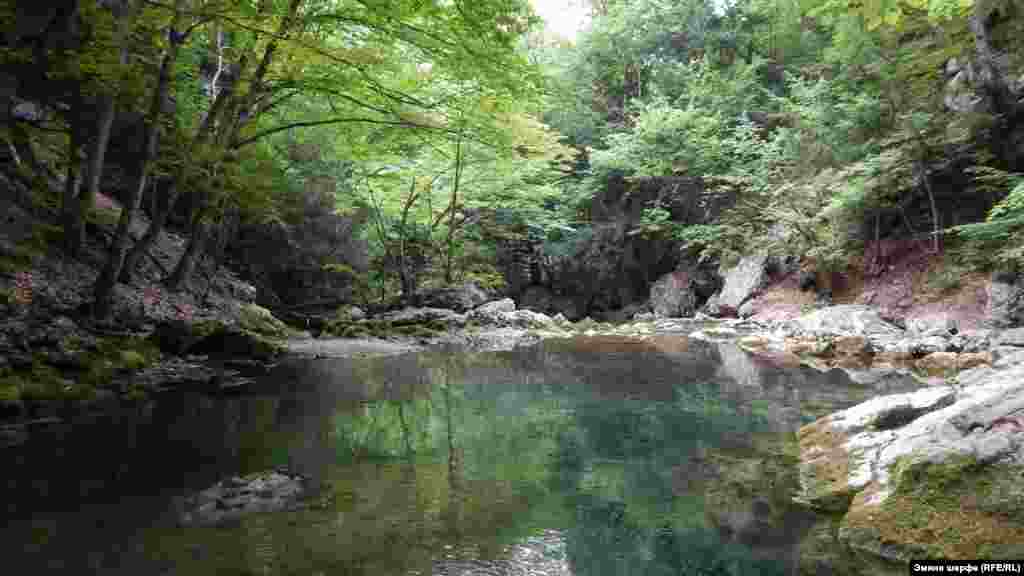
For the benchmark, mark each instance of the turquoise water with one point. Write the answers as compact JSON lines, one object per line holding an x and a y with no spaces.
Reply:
{"x":591,"y":456}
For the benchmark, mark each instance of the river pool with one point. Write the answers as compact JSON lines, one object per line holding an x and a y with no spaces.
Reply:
{"x":586,"y":456}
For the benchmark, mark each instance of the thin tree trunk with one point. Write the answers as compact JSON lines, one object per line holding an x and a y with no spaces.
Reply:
{"x":156,"y":226}
{"x":104,"y":288}
{"x":936,"y":225}
{"x":187,"y":263}
{"x":74,"y":216}
{"x":451,"y":214}
{"x":95,"y":157}
{"x":228,"y":226}
{"x":406,"y":271}
{"x":69,"y":204}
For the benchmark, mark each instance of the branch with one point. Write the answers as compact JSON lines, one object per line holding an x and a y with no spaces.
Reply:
{"x":269,"y":131}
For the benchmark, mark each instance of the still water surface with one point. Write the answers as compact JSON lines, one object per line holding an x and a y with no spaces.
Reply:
{"x":591,"y":456}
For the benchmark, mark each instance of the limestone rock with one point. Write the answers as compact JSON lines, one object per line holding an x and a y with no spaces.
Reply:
{"x":939,"y":363}
{"x":1005,"y":300}
{"x":503,"y":305}
{"x":854,"y":460}
{"x":461,"y":298}
{"x":1013,"y":337}
{"x":408,"y":316}
{"x":850,"y":320}
{"x":671,"y":296}
{"x":850,"y":346}
{"x":742,"y":282}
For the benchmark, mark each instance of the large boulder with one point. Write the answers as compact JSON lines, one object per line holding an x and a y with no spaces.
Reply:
{"x":462,"y":298}
{"x":849,"y":320}
{"x":942,"y":456}
{"x":234,"y":342}
{"x":503,"y":314}
{"x":672,"y":296}
{"x":741,"y":283}
{"x":1005,"y":300}
{"x":178,"y":336}
{"x":258,"y":319}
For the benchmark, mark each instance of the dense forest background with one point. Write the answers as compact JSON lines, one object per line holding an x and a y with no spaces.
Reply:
{"x":337,"y":150}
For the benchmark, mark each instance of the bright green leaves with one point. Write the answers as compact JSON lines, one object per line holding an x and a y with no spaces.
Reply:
{"x":892,"y":13}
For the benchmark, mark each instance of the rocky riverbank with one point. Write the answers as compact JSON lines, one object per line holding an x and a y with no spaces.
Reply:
{"x":932,"y":472}
{"x":935,"y":472}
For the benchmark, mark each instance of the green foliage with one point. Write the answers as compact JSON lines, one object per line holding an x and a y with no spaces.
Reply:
{"x":998,"y":240}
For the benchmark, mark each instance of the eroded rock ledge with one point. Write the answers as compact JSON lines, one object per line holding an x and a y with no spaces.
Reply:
{"x":937,"y":472}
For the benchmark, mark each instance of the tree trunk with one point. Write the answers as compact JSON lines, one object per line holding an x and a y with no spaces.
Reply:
{"x":74,"y":216}
{"x":156,"y":226}
{"x":227,"y":227}
{"x":187,"y":263}
{"x":450,"y":244}
{"x":936,"y":225}
{"x":104,"y":289}
{"x":69,"y":204}
{"x":93,"y":168}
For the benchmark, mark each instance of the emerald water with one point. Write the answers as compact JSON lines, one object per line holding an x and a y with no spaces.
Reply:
{"x":590,"y":456}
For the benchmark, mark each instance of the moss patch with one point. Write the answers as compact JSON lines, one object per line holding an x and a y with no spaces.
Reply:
{"x":115,"y":354}
{"x":258,"y":319}
{"x":958,"y":509}
{"x":825,"y":475}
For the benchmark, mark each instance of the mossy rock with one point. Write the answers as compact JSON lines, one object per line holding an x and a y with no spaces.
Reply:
{"x":416,"y":331}
{"x":177,"y":336}
{"x":132,"y":360}
{"x":41,"y":383}
{"x":957,"y":509}
{"x":237,"y":343}
{"x":115,"y":354}
{"x":255,"y":318}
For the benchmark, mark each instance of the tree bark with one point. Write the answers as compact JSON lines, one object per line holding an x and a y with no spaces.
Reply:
{"x":450,"y":244}
{"x":406,"y":270}
{"x":156,"y":226}
{"x":95,"y":157}
{"x":69,"y":205}
{"x":74,"y":216}
{"x":104,"y":289}
{"x":187,"y":263}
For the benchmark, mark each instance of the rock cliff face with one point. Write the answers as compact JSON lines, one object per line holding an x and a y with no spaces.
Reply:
{"x":607,"y":266}
{"x":1006,"y":300}
{"x":311,"y":256}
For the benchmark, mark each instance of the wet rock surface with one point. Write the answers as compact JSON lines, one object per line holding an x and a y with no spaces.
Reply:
{"x":239,"y":496}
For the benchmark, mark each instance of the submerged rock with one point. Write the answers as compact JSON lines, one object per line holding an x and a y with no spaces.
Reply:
{"x":239,"y":496}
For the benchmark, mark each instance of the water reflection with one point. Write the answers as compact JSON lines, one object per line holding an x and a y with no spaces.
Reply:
{"x":588,"y":457}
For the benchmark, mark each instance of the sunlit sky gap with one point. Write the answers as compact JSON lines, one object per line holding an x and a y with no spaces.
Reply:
{"x":564,"y":17}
